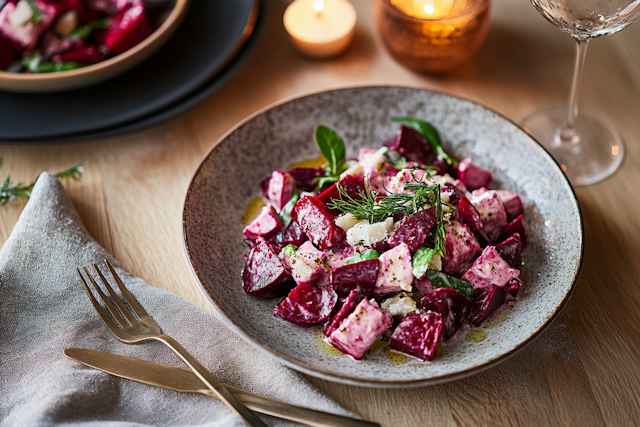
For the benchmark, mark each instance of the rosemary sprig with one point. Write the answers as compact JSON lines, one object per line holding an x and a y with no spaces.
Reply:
{"x":10,"y":191}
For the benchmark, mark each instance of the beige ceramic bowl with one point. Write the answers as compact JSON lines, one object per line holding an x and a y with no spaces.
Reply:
{"x":92,"y":74}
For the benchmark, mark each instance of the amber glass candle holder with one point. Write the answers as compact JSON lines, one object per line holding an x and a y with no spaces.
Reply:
{"x":432,"y":36}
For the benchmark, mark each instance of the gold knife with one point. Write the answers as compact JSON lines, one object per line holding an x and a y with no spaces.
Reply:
{"x":185,"y":381}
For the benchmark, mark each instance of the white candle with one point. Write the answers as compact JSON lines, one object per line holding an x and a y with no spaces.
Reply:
{"x":320,"y":28}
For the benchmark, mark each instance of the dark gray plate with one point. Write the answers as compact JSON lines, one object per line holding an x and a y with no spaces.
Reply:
{"x":206,"y":40}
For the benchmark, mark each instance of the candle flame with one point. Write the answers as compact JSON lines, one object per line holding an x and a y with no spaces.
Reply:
{"x":318,"y":6}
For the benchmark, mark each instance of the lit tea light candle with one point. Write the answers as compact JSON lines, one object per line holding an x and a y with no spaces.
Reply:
{"x":320,"y":28}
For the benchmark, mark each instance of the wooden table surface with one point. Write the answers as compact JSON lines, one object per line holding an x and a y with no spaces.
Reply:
{"x":584,"y":370}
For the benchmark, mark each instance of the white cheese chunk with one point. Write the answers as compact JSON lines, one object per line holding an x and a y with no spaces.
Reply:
{"x":367,"y":234}
{"x":346,"y":221}
{"x":354,"y":168}
{"x":435,"y":263}
{"x":399,"y":305}
{"x":21,"y":14}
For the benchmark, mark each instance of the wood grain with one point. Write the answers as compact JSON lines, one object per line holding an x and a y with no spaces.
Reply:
{"x":583,"y":371}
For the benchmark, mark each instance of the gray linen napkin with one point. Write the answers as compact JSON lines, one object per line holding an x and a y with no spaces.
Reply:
{"x":44,"y":309}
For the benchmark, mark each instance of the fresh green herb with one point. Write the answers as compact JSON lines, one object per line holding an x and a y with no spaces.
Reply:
{"x":357,"y":257}
{"x":10,"y":191}
{"x":429,"y":132}
{"x":421,"y":259}
{"x":395,"y":159}
{"x":332,"y":148}
{"x":37,"y":14}
{"x":323,"y":180}
{"x":289,"y":250}
{"x":83,"y":31}
{"x":34,"y":64}
{"x":285,"y":213}
{"x":441,"y":280}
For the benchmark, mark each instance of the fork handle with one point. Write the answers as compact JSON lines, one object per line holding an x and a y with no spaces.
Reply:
{"x":212,"y":382}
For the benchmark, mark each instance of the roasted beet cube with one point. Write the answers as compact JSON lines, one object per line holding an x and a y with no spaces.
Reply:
{"x":265,"y":275}
{"x":455,"y":194}
{"x":492,"y":213}
{"x":517,"y":226}
{"x":413,"y":229}
{"x":391,"y":142}
{"x":418,"y":334}
{"x":305,"y":178}
{"x":444,"y":167}
{"x":473,"y":176}
{"x":511,"y":250}
{"x":360,"y":277}
{"x":292,"y":234}
{"x":16,"y":27}
{"x":396,"y":272}
{"x":85,"y":14}
{"x":489,"y":270}
{"x":127,"y":29}
{"x":307,"y":305}
{"x":344,"y":307}
{"x":337,"y":255}
{"x":512,"y":287}
{"x":86,"y":55}
{"x":308,"y":265}
{"x":7,"y":55}
{"x":280,"y":188}
{"x":485,"y":304}
{"x":351,"y":185}
{"x":470,"y":216}
{"x":511,"y":202}
{"x":317,"y":222}
{"x":462,"y":248}
{"x":361,"y":329}
{"x":266,"y":224}
{"x":451,"y":304}
{"x":411,"y":145}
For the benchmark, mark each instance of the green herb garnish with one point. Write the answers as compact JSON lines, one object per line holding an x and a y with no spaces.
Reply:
{"x":421,"y":259}
{"x":441,"y":280}
{"x":285,"y":213}
{"x":289,"y":250}
{"x":37,"y":14}
{"x":10,"y":191}
{"x":395,"y":159}
{"x":429,"y":132}
{"x":332,"y":148}
{"x":83,"y":31}
{"x":357,"y":257}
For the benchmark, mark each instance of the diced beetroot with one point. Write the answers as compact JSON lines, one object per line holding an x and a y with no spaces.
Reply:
{"x":381,"y":246}
{"x":85,"y":14}
{"x":337,"y":255}
{"x":473,"y":176}
{"x":52,"y":45}
{"x":265,"y":275}
{"x":517,"y":226}
{"x":512,"y":287}
{"x":485,"y":304}
{"x":452,"y":305}
{"x":352,"y":185}
{"x":25,"y":37}
{"x":489,"y":270}
{"x":305,"y":177}
{"x":411,"y":145}
{"x":511,"y":202}
{"x":345,"y":307}
{"x":391,"y":142}
{"x":266,"y":224}
{"x":413,"y":229}
{"x":470,"y":216}
{"x":462,"y":248}
{"x":317,"y":222}
{"x":127,"y":29}
{"x":85,"y":55}
{"x":360,"y":276}
{"x":492,"y":213}
{"x":396,"y":273}
{"x":455,"y":194}
{"x":281,"y":188}
{"x":361,"y":329}
{"x":511,"y":250}
{"x":292,"y":234}
{"x":7,"y":55}
{"x":307,"y":305}
{"x":424,"y":285}
{"x":444,"y":167}
{"x":418,"y":334}
{"x":308,"y":264}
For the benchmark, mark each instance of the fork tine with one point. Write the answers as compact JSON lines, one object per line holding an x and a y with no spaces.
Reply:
{"x":110,"y":307}
{"x":123,"y":309}
{"x":133,"y":302}
{"x":101,"y":311}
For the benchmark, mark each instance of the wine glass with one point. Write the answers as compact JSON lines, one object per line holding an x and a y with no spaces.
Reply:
{"x":588,"y":148}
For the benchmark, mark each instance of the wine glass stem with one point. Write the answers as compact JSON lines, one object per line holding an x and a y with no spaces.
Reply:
{"x":567,"y":136}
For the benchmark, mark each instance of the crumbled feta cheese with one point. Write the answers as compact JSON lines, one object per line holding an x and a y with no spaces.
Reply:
{"x":21,"y":14}
{"x":435,"y":263}
{"x":367,"y":234}
{"x":346,"y":221}
{"x":353,"y":168}
{"x":373,"y":162}
{"x":399,"y":305}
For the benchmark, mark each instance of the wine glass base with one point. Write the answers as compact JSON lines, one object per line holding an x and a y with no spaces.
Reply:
{"x":595,"y":152}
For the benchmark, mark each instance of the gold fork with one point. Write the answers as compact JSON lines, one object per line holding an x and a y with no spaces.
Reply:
{"x":133,"y":325}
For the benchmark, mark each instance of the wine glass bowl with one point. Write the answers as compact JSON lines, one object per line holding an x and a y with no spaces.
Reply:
{"x":588,"y":148}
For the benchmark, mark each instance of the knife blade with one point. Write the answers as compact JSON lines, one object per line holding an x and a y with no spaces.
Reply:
{"x":184,"y":381}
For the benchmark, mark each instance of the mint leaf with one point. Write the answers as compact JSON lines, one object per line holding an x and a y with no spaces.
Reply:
{"x":285,"y":213}
{"x":332,"y":148}
{"x":357,"y":257}
{"x":441,"y":280}
{"x":429,"y":132}
{"x":421,"y":259}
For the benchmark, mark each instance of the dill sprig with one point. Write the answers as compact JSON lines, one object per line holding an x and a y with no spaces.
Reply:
{"x":10,"y":191}
{"x":373,"y":208}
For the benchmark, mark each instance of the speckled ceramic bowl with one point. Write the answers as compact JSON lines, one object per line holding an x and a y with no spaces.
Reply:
{"x":229,"y":176}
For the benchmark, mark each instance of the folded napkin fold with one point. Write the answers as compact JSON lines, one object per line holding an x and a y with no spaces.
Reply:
{"x":44,"y":309}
